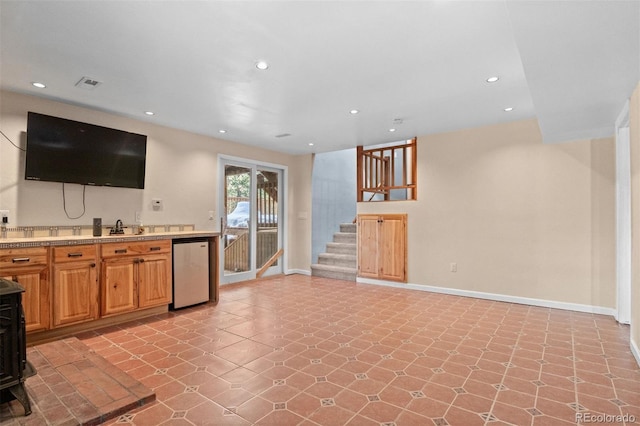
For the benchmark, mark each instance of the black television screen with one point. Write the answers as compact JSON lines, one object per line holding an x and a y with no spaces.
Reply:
{"x":61,"y":150}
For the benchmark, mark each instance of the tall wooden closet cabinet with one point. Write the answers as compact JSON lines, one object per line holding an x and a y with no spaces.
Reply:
{"x":382,"y":246}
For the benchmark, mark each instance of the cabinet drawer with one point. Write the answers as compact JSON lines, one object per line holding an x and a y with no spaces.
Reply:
{"x":137,"y":248}
{"x":74,"y":253}
{"x":10,"y":258}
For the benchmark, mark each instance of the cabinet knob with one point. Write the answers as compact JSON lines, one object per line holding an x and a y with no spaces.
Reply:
{"x":93,"y":265}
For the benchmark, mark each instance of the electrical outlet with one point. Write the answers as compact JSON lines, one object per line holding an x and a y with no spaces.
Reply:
{"x":4,"y":216}
{"x":454,"y":267}
{"x":210,"y":214}
{"x":138,"y":217}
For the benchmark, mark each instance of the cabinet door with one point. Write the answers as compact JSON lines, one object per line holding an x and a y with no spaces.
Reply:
{"x":75,"y":293}
{"x":382,"y":247}
{"x":35,"y":299}
{"x":154,"y":281}
{"x":118,"y":286}
{"x":368,"y":228}
{"x":393,"y":247}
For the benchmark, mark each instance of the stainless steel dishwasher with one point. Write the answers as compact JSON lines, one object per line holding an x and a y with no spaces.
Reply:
{"x":191,"y":278}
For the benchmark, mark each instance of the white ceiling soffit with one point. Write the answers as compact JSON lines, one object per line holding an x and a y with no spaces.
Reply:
{"x":581,"y":60}
{"x":193,"y":64}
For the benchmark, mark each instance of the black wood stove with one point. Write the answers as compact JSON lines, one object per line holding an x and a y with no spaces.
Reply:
{"x":14,"y":367}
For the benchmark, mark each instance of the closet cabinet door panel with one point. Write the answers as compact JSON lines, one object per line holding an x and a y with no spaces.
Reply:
{"x":382,"y":247}
{"x":393,"y":248}
{"x":368,"y":227}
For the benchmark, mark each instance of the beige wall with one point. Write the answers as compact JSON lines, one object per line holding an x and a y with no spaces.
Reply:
{"x":299,"y":211}
{"x":181,"y":170}
{"x":519,"y":217}
{"x":634,"y":118}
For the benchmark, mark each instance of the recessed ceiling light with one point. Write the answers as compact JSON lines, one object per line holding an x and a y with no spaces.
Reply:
{"x":492,"y":79}
{"x":262,"y":65}
{"x":392,"y":130}
{"x":222,"y":131}
{"x":38,"y":85}
{"x":354,"y":111}
{"x":508,"y":109}
{"x":310,"y":143}
{"x":149,"y":112}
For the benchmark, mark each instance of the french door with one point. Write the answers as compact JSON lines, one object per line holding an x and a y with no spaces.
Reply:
{"x":251,"y":208}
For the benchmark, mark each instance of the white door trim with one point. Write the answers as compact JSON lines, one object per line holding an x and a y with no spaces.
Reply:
{"x":623,"y":217}
{"x":282,"y":213}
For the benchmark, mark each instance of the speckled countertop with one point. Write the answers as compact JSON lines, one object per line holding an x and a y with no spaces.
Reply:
{"x":9,"y":243}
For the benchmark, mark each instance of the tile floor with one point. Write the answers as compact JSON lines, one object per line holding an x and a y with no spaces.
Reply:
{"x":301,"y":350}
{"x":73,"y":386}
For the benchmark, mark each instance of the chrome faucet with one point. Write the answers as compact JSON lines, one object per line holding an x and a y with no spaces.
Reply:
{"x":118,"y":229}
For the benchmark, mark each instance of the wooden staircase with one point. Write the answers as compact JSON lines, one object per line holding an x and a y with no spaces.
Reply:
{"x":340,"y":261}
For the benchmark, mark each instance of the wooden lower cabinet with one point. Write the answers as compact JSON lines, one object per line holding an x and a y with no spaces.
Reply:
{"x":135,"y":276}
{"x":35,"y":299}
{"x":154,"y":281}
{"x":75,"y":293}
{"x":74,"y":285}
{"x":29,"y":267}
{"x":382,"y":246}
{"x":119,"y":286}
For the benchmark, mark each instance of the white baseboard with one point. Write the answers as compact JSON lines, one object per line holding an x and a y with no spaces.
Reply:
{"x":635,"y":351}
{"x":297,"y":271}
{"x":497,"y":297}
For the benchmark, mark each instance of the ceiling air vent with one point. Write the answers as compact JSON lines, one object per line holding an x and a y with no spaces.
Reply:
{"x":88,"y":83}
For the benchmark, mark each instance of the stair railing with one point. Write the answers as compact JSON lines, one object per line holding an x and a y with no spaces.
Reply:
{"x":383,"y":169}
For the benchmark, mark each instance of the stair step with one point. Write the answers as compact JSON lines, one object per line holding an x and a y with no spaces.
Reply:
{"x":334,"y":272}
{"x":342,"y":248}
{"x":344,"y":237}
{"x":348,"y":228}
{"x":346,"y":260}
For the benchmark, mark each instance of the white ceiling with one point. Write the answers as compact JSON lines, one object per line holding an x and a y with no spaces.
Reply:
{"x":572,"y":64}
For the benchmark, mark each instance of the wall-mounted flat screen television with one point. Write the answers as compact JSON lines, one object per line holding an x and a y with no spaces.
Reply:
{"x":61,"y":150}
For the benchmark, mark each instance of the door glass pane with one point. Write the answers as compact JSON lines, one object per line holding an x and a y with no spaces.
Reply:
{"x":267,"y":203}
{"x":237,"y":238}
